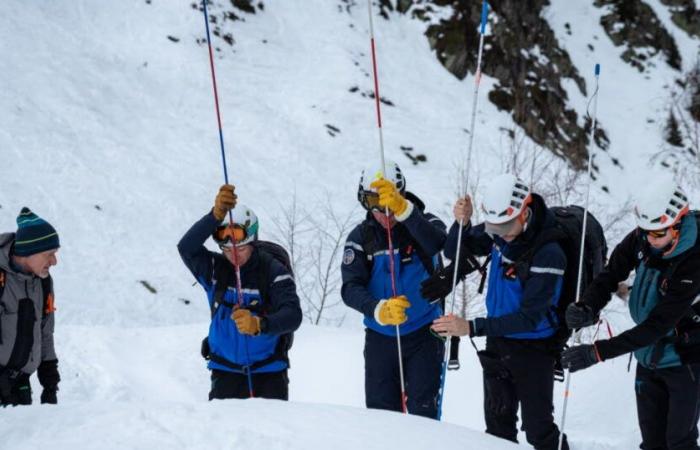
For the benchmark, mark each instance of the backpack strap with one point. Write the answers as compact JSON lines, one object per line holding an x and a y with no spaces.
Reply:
{"x":280,"y":354}
{"x":47,"y":292}
{"x":370,"y":246}
{"x":264,"y":270}
{"x":483,"y":269}
{"x":223,"y":275}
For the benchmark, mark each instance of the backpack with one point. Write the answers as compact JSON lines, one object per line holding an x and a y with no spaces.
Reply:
{"x":567,"y":233}
{"x":267,"y":252}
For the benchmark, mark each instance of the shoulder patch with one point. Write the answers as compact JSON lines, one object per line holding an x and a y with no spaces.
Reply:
{"x":348,"y":256}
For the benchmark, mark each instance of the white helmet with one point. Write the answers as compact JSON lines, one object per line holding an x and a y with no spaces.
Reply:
{"x":375,"y":172}
{"x":243,"y":230}
{"x":504,"y":198}
{"x":660,"y":205}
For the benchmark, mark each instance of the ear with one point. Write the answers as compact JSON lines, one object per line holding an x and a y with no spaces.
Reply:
{"x":523,"y":216}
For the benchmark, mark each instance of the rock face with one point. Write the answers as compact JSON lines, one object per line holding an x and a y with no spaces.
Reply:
{"x":523,"y":54}
{"x":685,"y":15}
{"x":235,"y":10}
{"x":633,"y":24}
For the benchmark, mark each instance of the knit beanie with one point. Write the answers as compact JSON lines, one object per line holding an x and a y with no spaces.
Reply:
{"x":34,"y":234}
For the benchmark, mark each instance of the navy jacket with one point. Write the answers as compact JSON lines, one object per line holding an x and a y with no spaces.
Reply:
{"x":367,"y":277}
{"x":282,"y":314}
{"x":517,"y":307}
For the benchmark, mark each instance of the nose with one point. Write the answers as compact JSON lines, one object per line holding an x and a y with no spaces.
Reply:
{"x":53,"y":261}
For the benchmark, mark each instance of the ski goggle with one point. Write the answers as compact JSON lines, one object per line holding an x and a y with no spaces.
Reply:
{"x":370,"y":200}
{"x":657,"y":233}
{"x":226,"y":235}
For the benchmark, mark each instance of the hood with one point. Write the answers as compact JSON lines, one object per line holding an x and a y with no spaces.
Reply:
{"x":689,"y":235}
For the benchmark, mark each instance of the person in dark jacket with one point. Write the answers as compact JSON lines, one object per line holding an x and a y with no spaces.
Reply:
{"x":27,"y":311}
{"x":664,"y":252}
{"x":395,"y":305}
{"x":520,"y":326}
{"x":252,"y":315}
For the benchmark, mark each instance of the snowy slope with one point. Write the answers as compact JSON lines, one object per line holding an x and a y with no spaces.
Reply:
{"x":108,"y":131}
{"x":133,"y":388}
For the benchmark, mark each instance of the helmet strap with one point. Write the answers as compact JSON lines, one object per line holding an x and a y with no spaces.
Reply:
{"x":524,"y":218}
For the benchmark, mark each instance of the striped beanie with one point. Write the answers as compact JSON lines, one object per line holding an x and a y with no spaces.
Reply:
{"x":34,"y":234}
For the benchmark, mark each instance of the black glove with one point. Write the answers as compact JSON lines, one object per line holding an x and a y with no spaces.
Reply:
{"x":579,"y":315}
{"x":579,"y":357}
{"x":439,"y":284}
{"x":49,"y":379}
{"x":48,"y":395}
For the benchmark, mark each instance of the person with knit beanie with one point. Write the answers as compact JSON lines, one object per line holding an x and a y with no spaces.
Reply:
{"x":27,"y":310}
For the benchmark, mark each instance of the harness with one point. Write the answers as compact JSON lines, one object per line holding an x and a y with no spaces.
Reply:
{"x":225,"y":277}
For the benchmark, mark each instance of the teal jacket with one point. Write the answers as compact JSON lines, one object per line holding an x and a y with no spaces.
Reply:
{"x":661,"y":298}
{"x":645,"y":296}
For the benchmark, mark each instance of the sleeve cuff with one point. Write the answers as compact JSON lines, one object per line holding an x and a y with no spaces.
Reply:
{"x":407,"y":212}
{"x":477,"y":327}
{"x":602,"y":350}
{"x":217,"y":221}
{"x":376,"y":311}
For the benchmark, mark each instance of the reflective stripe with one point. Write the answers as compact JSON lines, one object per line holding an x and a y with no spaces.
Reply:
{"x":382,"y":252}
{"x":354,"y":245}
{"x":283,"y":277}
{"x":504,"y":259}
{"x":551,"y":270}
{"x":245,"y":291}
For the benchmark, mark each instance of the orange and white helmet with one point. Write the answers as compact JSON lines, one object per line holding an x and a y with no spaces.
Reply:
{"x":504,"y":199}
{"x":661,"y":205}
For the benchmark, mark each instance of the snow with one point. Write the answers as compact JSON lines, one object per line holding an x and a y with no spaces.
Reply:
{"x":108,"y":131}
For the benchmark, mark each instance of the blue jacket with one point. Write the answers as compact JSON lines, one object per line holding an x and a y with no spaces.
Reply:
{"x":282,"y":314}
{"x":520,"y":306}
{"x":367,"y":279}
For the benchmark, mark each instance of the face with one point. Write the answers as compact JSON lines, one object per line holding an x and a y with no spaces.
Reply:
{"x":514,"y":232}
{"x":240,"y":256}
{"x":38,"y":264}
{"x":517,"y":227}
{"x":383,"y":220}
{"x":659,"y":242}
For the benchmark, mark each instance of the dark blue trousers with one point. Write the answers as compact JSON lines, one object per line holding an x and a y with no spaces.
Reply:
{"x":520,"y":373}
{"x":668,"y":406}
{"x":422,"y":361}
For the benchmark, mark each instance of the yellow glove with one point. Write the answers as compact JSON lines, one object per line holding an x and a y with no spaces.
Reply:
{"x":225,"y":201}
{"x":390,"y":197}
{"x":392,"y":311}
{"x":246,"y":322}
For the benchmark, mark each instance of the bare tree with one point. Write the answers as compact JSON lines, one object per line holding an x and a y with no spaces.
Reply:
{"x":330,"y":231}
{"x":314,"y":241}
{"x":682,"y":153}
